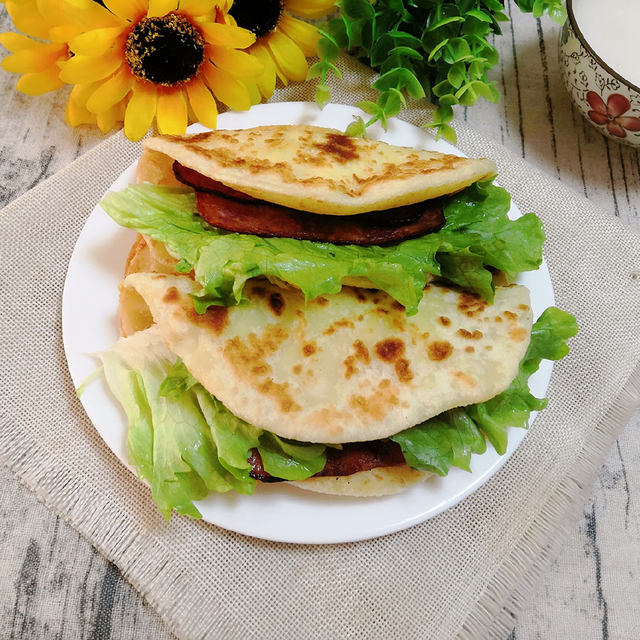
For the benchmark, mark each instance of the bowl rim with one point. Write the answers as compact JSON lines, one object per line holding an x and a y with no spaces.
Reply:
{"x":587,"y":46}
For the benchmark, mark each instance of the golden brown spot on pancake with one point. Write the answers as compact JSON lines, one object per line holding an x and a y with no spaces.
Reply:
{"x":376,"y":405}
{"x":382,"y":310}
{"x":524,"y":307}
{"x":470,"y":304}
{"x":171,"y":295}
{"x":397,"y":306}
{"x":248,"y":358}
{"x":322,"y":301}
{"x":360,"y":318}
{"x":439,"y":350}
{"x":463,"y":378}
{"x":261,"y":370}
{"x":383,"y":384}
{"x":297,"y":369}
{"x":444,"y":321}
{"x":362,"y":353}
{"x":469,"y":349}
{"x":399,"y":323}
{"x":336,"y":325}
{"x":350,"y":367}
{"x":403,"y":370}
{"x":517,"y":334}
{"x":309,"y":349}
{"x":469,"y":335}
{"x":488,"y":347}
{"x":279,"y":392}
{"x":389,"y":349}
{"x":510,"y":315}
{"x":214,"y":318}
{"x":342,"y":148}
{"x":498,"y":318}
{"x":276,"y":303}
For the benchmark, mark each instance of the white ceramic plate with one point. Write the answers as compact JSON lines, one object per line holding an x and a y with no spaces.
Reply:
{"x":275,"y":512}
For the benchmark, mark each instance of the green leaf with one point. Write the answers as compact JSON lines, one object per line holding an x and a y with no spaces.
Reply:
{"x":358,"y":9}
{"x":457,"y":74}
{"x":405,"y":51}
{"x":400,"y":78}
{"x":323,"y":95}
{"x":476,"y":220}
{"x":356,"y":129}
{"x":478,"y":14}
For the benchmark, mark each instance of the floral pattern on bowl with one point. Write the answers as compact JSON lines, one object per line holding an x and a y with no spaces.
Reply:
{"x":603,"y":97}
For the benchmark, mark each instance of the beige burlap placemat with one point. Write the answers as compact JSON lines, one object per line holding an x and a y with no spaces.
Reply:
{"x":462,"y":574}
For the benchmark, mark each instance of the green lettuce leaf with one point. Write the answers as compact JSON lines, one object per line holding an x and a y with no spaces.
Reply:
{"x":478,"y":237}
{"x":449,"y":439}
{"x":182,"y":440}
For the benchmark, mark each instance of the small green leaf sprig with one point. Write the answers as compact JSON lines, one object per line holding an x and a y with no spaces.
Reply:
{"x":434,"y":49}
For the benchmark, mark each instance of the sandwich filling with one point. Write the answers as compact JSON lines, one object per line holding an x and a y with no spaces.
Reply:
{"x":227,"y":208}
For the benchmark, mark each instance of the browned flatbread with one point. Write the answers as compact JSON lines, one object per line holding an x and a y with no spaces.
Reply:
{"x":349,"y":367}
{"x":321,"y":170}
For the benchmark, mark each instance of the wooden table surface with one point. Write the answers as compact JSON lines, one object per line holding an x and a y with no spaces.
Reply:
{"x":592,"y":590}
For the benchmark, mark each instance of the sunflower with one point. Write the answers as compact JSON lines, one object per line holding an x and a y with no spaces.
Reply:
{"x":47,"y":26}
{"x":283,"y":43}
{"x":164,"y":59}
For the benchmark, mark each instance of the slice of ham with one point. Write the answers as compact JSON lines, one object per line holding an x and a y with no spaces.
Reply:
{"x":225,"y":208}
{"x":352,"y":458}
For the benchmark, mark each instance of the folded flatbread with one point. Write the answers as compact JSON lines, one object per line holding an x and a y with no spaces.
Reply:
{"x":350,"y":367}
{"x":321,"y":170}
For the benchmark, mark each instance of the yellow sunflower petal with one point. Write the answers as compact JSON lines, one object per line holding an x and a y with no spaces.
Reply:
{"x":81,"y":92}
{"x":16,"y":41}
{"x":107,"y":120}
{"x":27,"y":19}
{"x":240,"y":63}
{"x":202,"y":103}
{"x":267,"y":81}
{"x":88,"y":15}
{"x":309,"y":8}
{"x":172,"y":116}
{"x":195,"y":7}
{"x":127,"y":9}
{"x":35,"y":84}
{"x":254,"y":92}
{"x":140,"y":112}
{"x":161,"y":7}
{"x":33,"y":60}
{"x":95,"y":42}
{"x":52,"y":13}
{"x":63,"y":33}
{"x":110,"y":92}
{"x":305,"y":35}
{"x":225,"y":35}
{"x":81,"y":69}
{"x":76,"y":113}
{"x":288,"y":56}
{"x":226,"y":88}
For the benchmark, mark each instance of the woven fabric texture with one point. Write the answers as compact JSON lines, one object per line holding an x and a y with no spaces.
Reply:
{"x":461,"y":574}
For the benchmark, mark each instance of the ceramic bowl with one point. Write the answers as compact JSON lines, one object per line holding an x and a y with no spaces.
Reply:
{"x":606,"y":99}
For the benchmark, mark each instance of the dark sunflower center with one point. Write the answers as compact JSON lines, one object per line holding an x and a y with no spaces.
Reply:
{"x":165,"y":50}
{"x":260,"y":17}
